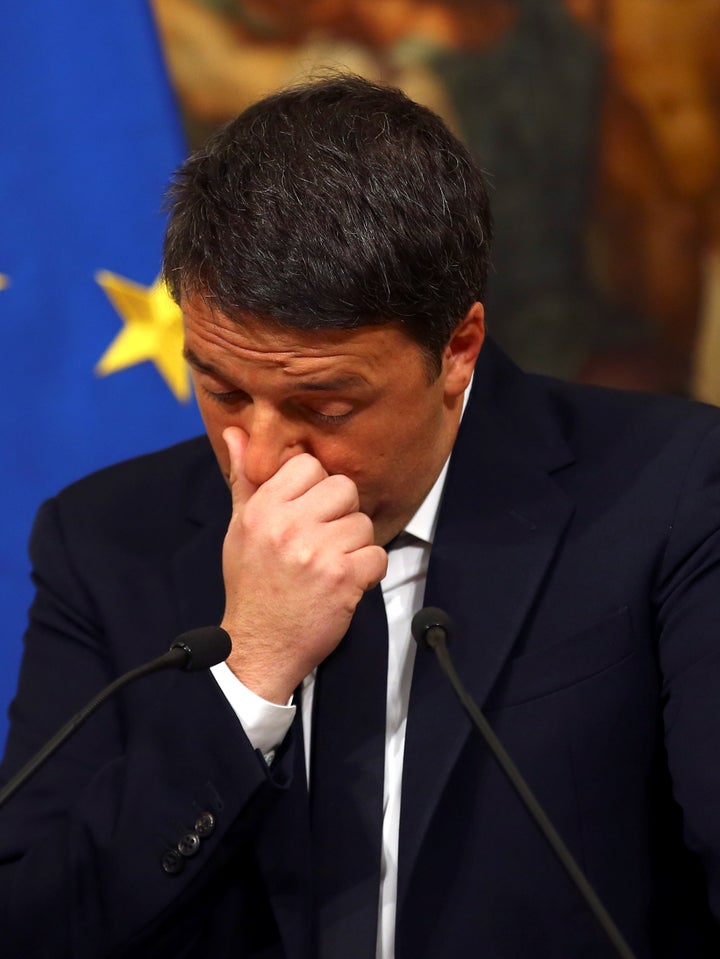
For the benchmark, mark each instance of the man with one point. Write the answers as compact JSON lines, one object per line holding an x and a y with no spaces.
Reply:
{"x":329,"y":249}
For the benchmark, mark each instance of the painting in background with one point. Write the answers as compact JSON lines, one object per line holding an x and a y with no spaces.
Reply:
{"x":598,"y":122}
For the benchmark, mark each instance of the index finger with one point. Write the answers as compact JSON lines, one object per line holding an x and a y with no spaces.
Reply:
{"x":241,"y":488}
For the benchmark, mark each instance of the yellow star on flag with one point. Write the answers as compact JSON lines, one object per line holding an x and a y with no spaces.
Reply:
{"x":4,"y":281}
{"x":152,"y":331}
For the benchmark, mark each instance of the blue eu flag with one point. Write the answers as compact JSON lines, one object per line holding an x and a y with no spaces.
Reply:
{"x":90,"y":341}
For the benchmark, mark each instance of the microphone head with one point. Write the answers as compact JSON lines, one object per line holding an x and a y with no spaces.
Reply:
{"x":426,"y":621}
{"x":203,"y":647}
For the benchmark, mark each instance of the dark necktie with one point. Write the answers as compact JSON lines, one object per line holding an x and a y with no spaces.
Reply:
{"x":346,"y":785}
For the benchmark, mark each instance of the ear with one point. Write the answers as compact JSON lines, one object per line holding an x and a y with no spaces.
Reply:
{"x":463,"y":349}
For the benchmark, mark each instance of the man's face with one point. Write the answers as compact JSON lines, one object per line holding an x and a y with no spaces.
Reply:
{"x":360,"y":401}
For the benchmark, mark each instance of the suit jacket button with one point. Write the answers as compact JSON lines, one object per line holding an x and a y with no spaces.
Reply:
{"x":205,"y":825}
{"x":189,"y":845}
{"x":172,"y":862}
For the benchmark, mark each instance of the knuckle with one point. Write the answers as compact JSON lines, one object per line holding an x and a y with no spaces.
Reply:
{"x":360,"y":528}
{"x":349,"y":491}
{"x":339,"y":573}
{"x":250,"y":517}
{"x":375,"y":566}
{"x":281,"y":534}
{"x":306,"y":464}
{"x":343,"y":483}
{"x":304,"y":554}
{"x":365,"y":524}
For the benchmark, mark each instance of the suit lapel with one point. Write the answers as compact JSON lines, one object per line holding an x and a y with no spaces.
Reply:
{"x":500,"y":523}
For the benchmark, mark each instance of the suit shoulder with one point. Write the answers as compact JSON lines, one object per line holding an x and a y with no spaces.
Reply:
{"x":156,"y":471}
{"x":593,"y":414}
{"x":144,"y":497}
{"x":556,"y":419}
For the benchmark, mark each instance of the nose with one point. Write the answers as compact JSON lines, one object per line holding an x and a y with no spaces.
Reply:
{"x":273,"y":439}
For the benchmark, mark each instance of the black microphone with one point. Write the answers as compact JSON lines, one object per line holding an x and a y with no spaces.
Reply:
{"x":194,"y":650}
{"x":201,"y":648}
{"x":432,"y":628}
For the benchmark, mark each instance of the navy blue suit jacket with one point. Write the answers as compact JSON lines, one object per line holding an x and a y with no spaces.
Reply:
{"x":578,"y":552}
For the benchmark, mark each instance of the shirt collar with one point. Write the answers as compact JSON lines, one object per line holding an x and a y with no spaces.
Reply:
{"x":423,"y":523}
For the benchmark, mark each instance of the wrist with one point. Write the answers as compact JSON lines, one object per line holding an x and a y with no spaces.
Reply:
{"x":271,"y":680}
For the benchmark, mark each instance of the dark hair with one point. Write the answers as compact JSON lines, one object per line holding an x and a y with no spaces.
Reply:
{"x":338,"y":203}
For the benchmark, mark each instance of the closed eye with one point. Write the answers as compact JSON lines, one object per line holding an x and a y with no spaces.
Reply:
{"x":227,"y":398}
{"x":332,"y":419}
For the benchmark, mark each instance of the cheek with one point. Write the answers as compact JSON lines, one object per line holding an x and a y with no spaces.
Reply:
{"x":338,"y":459}
{"x":350,"y":455}
{"x":376,"y":456}
{"x":374,"y":470}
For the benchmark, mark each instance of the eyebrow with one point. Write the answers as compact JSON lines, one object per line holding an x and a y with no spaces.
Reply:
{"x":337,"y":384}
{"x":194,"y":360}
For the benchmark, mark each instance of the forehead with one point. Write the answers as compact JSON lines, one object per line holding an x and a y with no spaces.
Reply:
{"x":215,"y":340}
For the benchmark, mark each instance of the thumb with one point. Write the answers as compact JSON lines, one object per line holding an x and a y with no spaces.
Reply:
{"x":236,"y":441}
